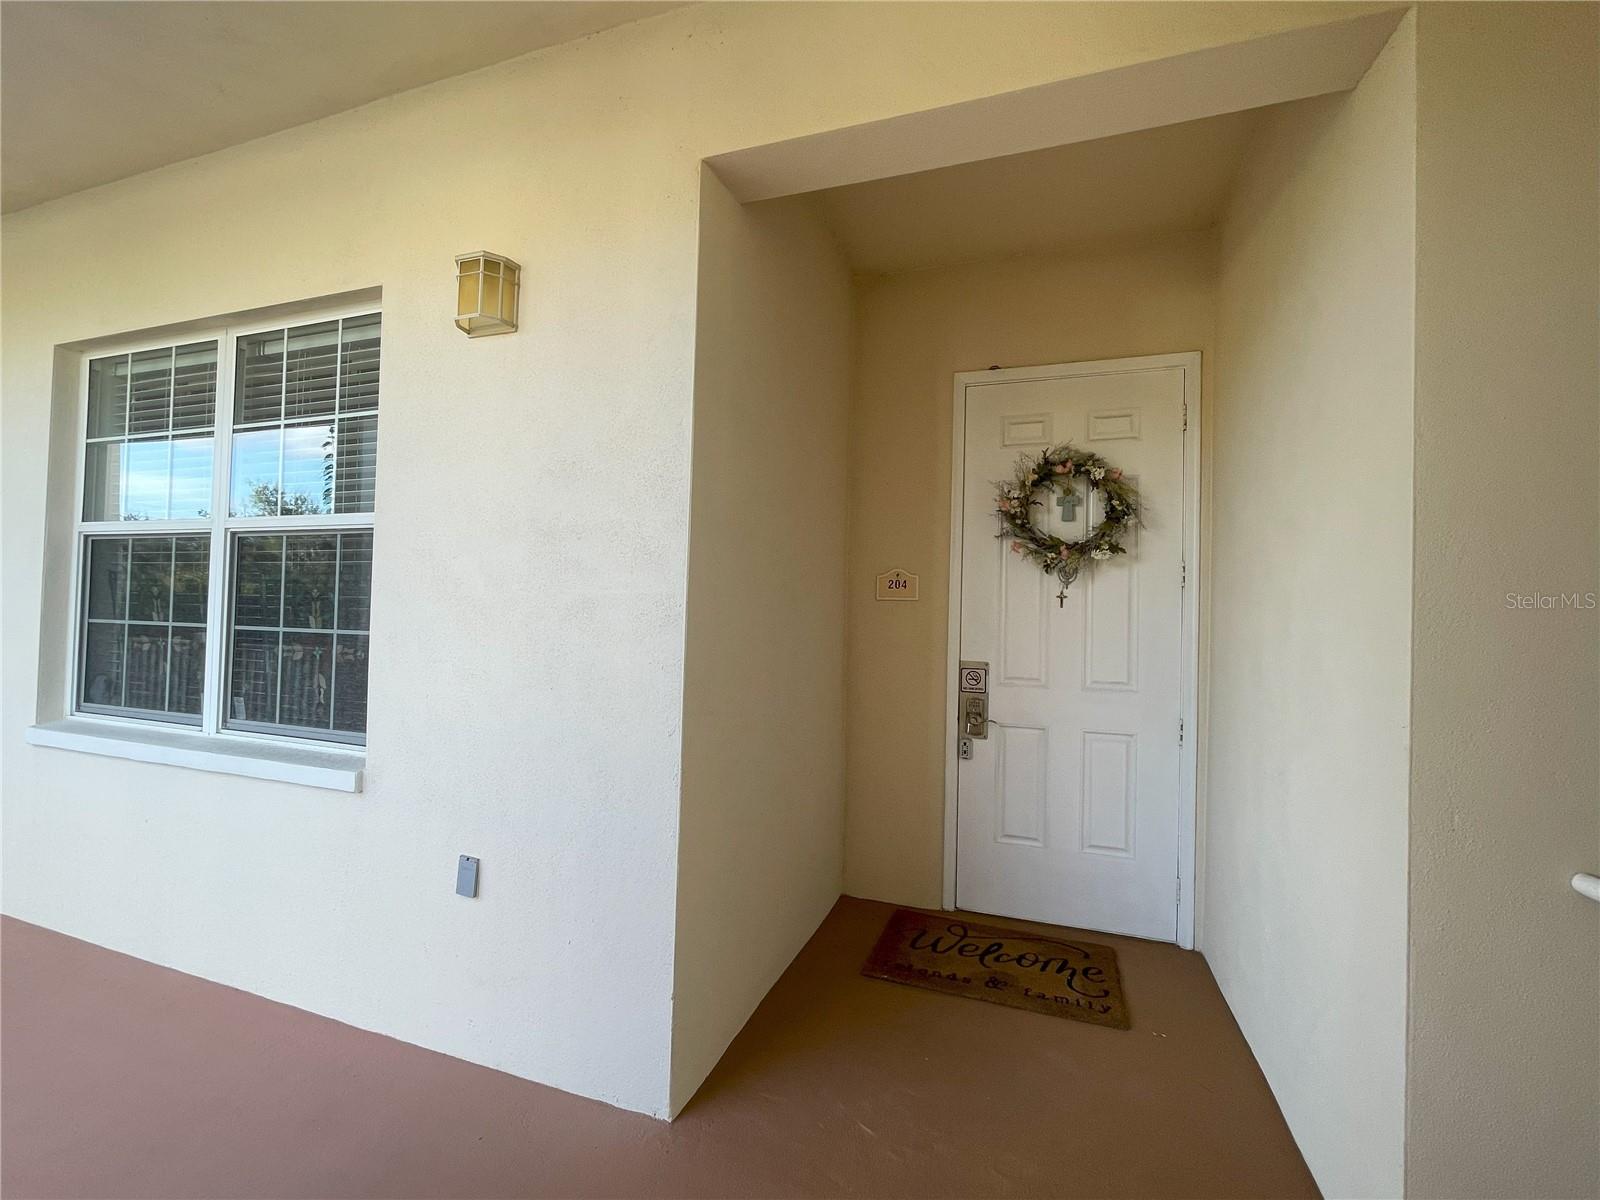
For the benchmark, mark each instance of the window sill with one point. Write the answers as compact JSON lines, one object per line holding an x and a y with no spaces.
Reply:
{"x":335,"y":770}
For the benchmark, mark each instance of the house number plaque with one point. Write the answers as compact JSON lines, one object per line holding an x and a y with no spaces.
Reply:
{"x":897,"y":585}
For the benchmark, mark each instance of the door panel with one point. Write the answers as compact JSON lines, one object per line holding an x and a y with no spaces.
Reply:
{"x":1069,"y":810}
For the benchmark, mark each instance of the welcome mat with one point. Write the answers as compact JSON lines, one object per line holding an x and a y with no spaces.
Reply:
{"x":1003,"y":966}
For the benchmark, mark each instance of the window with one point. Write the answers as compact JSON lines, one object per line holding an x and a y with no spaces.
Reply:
{"x":144,"y":638}
{"x":225,"y":561}
{"x":299,"y":654}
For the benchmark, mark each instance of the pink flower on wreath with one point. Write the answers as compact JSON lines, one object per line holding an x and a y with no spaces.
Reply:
{"x":1061,"y":468}
{"x":1016,"y":547}
{"x":1115,"y":472}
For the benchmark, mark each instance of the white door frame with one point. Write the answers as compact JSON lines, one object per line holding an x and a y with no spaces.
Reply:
{"x":1189,"y":685}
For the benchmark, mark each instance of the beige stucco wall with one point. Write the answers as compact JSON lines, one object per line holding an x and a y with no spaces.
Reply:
{"x":1304,"y":897}
{"x":1504,"y":1075}
{"x":914,"y":332}
{"x":761,"y":823}
{"x":528,"y":669}
{"x":528,"y":675}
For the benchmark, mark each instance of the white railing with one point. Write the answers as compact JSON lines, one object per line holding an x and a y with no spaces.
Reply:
{"x":1587,"y":885}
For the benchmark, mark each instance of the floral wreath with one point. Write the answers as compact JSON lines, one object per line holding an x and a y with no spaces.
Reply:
{"x":1057,"y":469}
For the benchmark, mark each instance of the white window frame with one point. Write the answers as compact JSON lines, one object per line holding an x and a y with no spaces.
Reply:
{"x":221,"y":527}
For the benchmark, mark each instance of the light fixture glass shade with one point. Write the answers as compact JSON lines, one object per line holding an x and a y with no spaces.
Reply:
{"x":486,"y":293}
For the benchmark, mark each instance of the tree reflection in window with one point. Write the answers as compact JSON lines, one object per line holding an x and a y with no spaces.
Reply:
{"x":299,"y":641}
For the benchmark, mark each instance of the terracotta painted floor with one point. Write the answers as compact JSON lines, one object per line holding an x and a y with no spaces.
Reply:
{"x":123,"y":1079}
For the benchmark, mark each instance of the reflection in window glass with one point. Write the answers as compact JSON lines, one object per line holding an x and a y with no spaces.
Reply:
{"x":108,"y":397}
{"x":102,"y":665}
{"x":190,"y":496}
{"x":310,"y":574}
{"x":356,"y":468}
{"x":107,"y":579}
{"x":257,"y":459}
{"x":102,"y":481}
{"x":297,"y":607}
{"x":191,"y":576}
{"x":146,"y":679}
{"x":143,"y":639}
{"x":305,"y":677}
{"x":283,"y":464}
{"x":258,"y":378}
{"x":299,"y":637}
{"x":146,"y":476}
{"x":311,"y":372}
{"x":258,"y":581}
{"x":355,"y":580}
{"x":133,"y":469}
{"x":358,"y":362}
{"x":307,"y":469}
{"x":150,"y":579}
{"x":350,"y":668}
{"x":186,"y":673}
{"x":150,"y":392}
{"x":194,"y":386}
{"x":254,"y":676}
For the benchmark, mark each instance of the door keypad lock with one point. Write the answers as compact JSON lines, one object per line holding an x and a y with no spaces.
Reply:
{"x":974,"y":682}
{"x":975,"y":716}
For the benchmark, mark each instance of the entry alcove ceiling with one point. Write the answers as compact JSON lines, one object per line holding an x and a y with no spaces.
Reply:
{"x":1065,"y":199}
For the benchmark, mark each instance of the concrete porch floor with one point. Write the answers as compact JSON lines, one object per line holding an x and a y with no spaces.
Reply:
{"x":130,"y":1080}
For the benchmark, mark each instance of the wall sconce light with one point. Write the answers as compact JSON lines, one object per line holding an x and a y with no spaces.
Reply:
{"x":486,"y":294}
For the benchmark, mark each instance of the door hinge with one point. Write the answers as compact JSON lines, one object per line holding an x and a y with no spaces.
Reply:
{"x":1183,"y":575}
{"x":1180,"y":889}
{"x":1186,"y":416}
{"x":1180,"y":731}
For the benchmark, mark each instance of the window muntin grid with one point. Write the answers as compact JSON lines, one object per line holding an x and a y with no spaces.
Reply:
{"x":298,"y":633}
{"x":123,"y":390}
{"x":305,"y":431}
{"x":144,"y":626}
{"x":148,"y":441}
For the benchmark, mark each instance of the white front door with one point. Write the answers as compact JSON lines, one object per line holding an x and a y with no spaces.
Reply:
{"x":1069,"y":811}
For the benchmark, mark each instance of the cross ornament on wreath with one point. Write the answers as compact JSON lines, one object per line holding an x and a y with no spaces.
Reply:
{"x":1057,"y":469}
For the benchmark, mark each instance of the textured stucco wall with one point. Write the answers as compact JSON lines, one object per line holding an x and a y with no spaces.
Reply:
{"x":1304,"y":900}
{"x":527,"y":674}
{"x":761,"y":827}
{"x":1504,"y":1067}
{"x":915,"y":331}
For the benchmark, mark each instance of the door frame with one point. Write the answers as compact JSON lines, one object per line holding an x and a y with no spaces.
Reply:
{"x":1189,"y":682}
